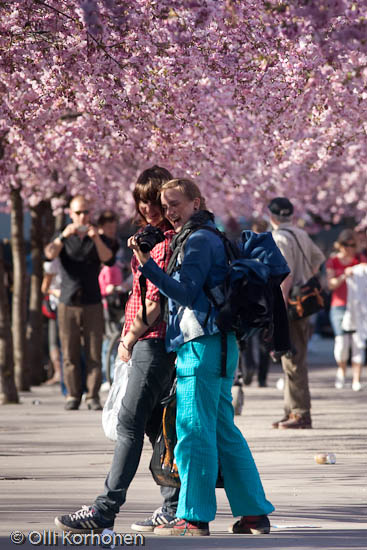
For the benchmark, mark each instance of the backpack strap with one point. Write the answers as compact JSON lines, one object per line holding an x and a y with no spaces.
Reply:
{"x":143,"y":293}
{"x":179,"y":249}
{"x":231,"y":254}
{"x":171,"y":268}
{"x":230,"y":249}
{"x":223,"y":354}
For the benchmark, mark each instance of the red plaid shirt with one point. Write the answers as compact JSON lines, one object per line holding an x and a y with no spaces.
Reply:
{"x":161,"y":254}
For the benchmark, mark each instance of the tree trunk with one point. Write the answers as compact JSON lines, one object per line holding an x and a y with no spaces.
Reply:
{"x":19,"y":308}
{"x":35,"y":332}
{"x":60,"y":222}
{"x":8,"y":390}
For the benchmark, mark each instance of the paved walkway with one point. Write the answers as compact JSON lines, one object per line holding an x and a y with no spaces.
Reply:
{"x":53,"y":461}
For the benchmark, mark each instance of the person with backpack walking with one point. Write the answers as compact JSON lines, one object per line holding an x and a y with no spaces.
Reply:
{"x":150,"y":380}
{"x":255,"y":357}
{"x":206,"y":433}
{"x":304,"y":259}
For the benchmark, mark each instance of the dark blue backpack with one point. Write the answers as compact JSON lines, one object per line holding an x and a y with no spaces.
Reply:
{"x":252,"y":298}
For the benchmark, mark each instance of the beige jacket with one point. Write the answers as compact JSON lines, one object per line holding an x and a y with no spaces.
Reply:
{"x":300,"y":270}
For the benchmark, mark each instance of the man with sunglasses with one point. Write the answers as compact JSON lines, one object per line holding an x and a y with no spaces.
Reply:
{"x":81,"y":249}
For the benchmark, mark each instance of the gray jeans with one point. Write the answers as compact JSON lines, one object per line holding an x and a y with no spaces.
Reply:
{"x":140,"y":412}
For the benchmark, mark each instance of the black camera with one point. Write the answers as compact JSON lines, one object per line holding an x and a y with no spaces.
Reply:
{"x":148,"y":238}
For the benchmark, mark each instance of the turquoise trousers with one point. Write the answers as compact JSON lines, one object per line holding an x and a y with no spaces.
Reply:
{"x":207,"y":434}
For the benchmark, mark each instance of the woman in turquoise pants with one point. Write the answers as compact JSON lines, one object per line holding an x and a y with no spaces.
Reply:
{"x":206,"y":431}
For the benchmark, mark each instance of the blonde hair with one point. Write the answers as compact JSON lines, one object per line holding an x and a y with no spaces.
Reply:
{"x":187,"y":187}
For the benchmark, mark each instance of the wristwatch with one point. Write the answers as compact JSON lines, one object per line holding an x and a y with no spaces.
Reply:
{"x":61,"y":237}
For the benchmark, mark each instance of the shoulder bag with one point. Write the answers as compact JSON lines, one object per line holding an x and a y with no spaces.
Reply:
{"x":163,"y":465}
{"x":306,"y":299}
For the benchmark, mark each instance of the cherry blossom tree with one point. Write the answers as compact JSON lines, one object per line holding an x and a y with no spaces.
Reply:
{"x":252,"y":99}
{"x":8,"y":391}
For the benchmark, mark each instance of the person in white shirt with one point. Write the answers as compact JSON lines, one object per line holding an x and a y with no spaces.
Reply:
{"x":51,"y":285}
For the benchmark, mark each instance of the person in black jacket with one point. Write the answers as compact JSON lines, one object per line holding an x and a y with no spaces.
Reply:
{"x":81,"y":250}
{"x":255,"y":357}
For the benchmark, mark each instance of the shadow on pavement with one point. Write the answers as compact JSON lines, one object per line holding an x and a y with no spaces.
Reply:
{"x":293,"y":539}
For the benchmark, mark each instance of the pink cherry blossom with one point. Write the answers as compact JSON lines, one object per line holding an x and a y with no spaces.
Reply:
{"x":251,"y":99}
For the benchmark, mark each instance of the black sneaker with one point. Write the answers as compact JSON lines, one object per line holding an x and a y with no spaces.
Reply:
{"x":159,"y":517}
{"x":85,"y":520}
{"x":251,"y":525}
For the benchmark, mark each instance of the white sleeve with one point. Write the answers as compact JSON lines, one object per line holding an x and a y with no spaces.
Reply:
{"x":51,"y":268}
{"x":47,"y":267}
{"x":360,"y":299}
{"x":349,"y":318}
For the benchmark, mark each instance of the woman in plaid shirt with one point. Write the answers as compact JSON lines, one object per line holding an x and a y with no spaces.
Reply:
{"x":149,"y":381}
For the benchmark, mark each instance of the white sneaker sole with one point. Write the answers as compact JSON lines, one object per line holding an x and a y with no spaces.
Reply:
{"x":142,"y":528}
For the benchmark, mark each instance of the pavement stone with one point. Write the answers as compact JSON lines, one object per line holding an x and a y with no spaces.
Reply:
{"x":53,"y":461}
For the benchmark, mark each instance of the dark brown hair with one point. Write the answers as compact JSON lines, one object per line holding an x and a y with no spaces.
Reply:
{"x":148,"y":187}
{"x":106,"y":216}
{"x":259,"y":225}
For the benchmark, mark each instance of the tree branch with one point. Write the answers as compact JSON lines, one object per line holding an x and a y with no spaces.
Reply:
{"x":99,"y":44}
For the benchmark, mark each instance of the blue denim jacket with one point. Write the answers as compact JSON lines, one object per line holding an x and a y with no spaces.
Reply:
{"x":191,"y":314}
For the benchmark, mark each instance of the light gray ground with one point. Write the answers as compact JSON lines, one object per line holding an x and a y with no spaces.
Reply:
{"x":53,"y":461}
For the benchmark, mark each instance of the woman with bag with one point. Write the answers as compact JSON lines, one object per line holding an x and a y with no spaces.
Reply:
{"x":206,"y":432}
{"x":338,"y":268}
{"x":149,"y":380}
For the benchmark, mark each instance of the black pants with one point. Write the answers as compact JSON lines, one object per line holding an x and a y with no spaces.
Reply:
{"x":255,"y":357}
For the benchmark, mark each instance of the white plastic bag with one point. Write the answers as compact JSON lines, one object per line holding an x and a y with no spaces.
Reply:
{"x":113,"y":403}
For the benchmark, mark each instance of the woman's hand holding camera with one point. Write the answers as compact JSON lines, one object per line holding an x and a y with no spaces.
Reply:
{"x":142,"y":257}
{"x":144,"y":241}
